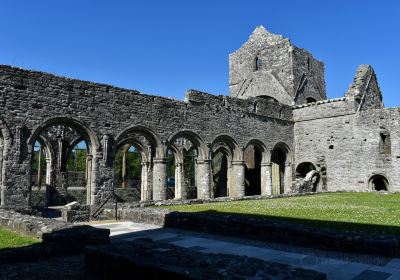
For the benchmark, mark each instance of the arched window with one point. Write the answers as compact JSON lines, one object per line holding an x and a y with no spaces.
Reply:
{"x":378,"y":183}
{"x":310,"y":100}
{"x":257,"y":63}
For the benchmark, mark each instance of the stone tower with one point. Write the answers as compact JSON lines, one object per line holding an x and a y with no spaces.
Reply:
{"x":271,"y":67}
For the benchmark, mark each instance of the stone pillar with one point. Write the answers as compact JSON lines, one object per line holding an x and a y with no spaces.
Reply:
{"x":159,"y":179}
{"x":288,"y":177}
{"x":145,"y":189}
{"x":48,"y":171}
{"x":180,"y":187}
{"x":90,"y":192}
{"x":266,"y":178}
{"x":123,"y":168}
{"x":276,"y":180}
{"x":238,"y":184}
{"x":39,"y":174}
{"x":203,"y":176}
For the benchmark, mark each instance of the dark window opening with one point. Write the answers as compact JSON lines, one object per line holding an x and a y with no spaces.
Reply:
{"x":257,"y":64}
{"x":308,"y":64}
{"x":379,"y":183}
{"x":310,"y":100}
{"x":385,"y":144}
{"x":268,"y":98}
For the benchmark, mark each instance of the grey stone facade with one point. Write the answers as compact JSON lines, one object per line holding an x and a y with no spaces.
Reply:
{"x":262,"y":129}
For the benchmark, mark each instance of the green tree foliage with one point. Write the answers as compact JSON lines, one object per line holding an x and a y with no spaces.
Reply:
{"x":77,"y":160}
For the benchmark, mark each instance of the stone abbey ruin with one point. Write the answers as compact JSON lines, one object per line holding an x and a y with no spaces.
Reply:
{"x":276,"y":133}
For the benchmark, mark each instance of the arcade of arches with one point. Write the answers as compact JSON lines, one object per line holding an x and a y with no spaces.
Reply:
{"x":62,"y":166}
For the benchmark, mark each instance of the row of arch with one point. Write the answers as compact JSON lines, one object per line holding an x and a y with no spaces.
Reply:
{"x":53,"y":143}
{"x":250,"y":170}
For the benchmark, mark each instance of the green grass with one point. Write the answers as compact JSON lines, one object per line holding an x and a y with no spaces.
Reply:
{"x":9,"y":239}
{"x":372,"y":212}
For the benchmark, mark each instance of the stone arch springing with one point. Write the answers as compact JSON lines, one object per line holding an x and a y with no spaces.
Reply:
{"x":378,"y":182}
{"x":61,"y":132}
{"x":281,"y":169}
{"x":197,"y":155}
{"x":254,"y":156}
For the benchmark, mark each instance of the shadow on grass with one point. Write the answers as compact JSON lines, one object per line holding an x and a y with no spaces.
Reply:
{"x":62,"y":242}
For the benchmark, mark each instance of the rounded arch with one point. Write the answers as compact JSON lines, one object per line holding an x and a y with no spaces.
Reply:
{"x":284,"y":147}
{"x":195,"y":139}
{"x":228,"y":145}
{"x":261,"y":146}
{"x":87,"y":134}
{"x":177,"y":153}
{"x":379,"y":182}
{"x":303,"y":168}
{"x":281,"y":169}
{"x":128,"y":142}
{"x":150,"y":135}
{"x":91,"y":140}
{"x":310,"y":100}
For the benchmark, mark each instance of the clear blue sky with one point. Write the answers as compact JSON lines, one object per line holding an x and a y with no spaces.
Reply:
{"x":167,"y":47}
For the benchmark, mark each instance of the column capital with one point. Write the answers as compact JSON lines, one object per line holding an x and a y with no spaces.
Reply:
{"x":266,"y":163}
{"x":288,"y":164}
{"x":238,"y":162}
{"x":204,"y":161}
{"x":159,"y":160}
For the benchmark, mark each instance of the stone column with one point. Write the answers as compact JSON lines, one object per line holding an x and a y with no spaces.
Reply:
{"x":159,"y":179}
{"x":180,"y":187}
{"x":49,"y":170}
{"x":276,"y":182}
{"x":288,"y":177}
{"x":90,"y":199}
{"x":145,"y":188}
{"x":123,"y":168}
{"x":203,"y":176}
{"x":238,"y":184}
{"x":39,"y":174}
{"x":266,"y":178}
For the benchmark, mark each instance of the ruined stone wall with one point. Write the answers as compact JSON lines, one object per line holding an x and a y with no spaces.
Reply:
{"x":308,"y":76}
{"x":347,"y":144}
{"x":30,"y":100}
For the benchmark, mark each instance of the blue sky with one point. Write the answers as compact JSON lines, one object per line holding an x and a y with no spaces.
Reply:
{"x":167,"y":47}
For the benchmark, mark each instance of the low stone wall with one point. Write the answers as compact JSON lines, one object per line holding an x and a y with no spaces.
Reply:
{"x":58,"y":238}
{"x":263,"y":229}
{"x":28,"y":225}
{"x":74,"y":212}
{"x":144,"y":259}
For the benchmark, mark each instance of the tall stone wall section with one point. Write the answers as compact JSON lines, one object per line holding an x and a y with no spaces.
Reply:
{"x":29,"y":100}
{"x":348,"y":143}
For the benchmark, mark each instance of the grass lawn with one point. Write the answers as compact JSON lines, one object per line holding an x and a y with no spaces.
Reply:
{"x":372,"y":212}
{"x":9,"y":239}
